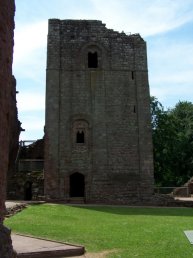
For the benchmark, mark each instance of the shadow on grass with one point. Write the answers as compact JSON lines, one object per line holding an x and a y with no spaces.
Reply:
{"x":147,"y":211}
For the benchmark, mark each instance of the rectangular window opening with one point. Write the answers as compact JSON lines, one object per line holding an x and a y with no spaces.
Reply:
{"x":92,"y":60}
{"x":132,"y":75}
{"x":80,"y":137}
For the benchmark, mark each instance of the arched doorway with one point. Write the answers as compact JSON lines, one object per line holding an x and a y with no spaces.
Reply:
{"x":28,"y":191}
{"x":77,"y":185}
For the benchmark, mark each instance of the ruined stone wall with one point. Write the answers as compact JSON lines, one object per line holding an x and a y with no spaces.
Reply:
{"x":27,"y":185}
{"x":7,"y":9}
{"x":32,"y":151}
{"x":108,"y":103}
{"x":6,"y":52}
{"x":26,"y":181}
{"x":14,"y":132}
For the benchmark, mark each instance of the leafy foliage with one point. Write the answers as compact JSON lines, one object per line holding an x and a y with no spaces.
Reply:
{"x":173,"y":143}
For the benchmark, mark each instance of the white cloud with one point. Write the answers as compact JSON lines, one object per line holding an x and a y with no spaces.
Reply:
{"x":169,"y":96}
{"x":174,"y":90}
{"x":171,"y":63}
{"x":147,"y":17}
{"x":28,"y":39}
{"x":170,"y":71}
{"x":183,"y":77}
{"x":30,"y":101}
{"x":34,"y":124}
{"x":34,"y":128}
{"x":172,"y":49}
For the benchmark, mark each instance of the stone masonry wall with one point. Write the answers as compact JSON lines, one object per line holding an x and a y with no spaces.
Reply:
{"x":7,"y":9}
{"x":26,"y":181}
{"x":14,"y":132}
{"x":108,"y":103}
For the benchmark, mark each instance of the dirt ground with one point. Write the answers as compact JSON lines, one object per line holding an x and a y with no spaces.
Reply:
{"x":96,"y":255}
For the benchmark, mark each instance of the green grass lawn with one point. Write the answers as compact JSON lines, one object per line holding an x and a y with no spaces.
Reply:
{"x":130,"y":232}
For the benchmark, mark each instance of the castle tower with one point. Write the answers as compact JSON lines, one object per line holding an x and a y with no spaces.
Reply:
{"x":98,"y":131}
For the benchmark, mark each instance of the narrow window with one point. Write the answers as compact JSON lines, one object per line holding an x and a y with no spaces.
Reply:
{"x":80,"y":137}
{"x":7,"y":115}
{"x":132,"y":75}
{"x":92,"y":60}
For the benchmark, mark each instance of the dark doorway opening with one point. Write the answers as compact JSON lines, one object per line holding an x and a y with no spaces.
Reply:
{"x":28,"y":191}
{"x":80,"y":137}
{"x":77,"y":185}
{"x":92,"y":60}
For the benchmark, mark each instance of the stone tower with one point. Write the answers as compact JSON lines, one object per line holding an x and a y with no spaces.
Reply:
{"x":98,"y":132}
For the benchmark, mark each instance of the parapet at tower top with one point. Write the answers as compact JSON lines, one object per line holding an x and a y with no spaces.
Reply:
{"x":88,"y":23}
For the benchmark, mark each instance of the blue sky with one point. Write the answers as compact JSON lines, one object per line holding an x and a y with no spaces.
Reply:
{"x":166,"y":26}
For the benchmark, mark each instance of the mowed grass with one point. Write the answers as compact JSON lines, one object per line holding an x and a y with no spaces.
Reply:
{"x":129,"y":232}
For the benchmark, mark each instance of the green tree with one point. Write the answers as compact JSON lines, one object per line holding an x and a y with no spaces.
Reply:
{"x":182,"y":115}
{"x":163,"y":142}
{"x":173,"y":143}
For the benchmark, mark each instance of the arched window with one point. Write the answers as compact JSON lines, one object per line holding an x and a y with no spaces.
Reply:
{"x":80,"y":137}
{"x":80,"y":134}
{"x":92,"y":59}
